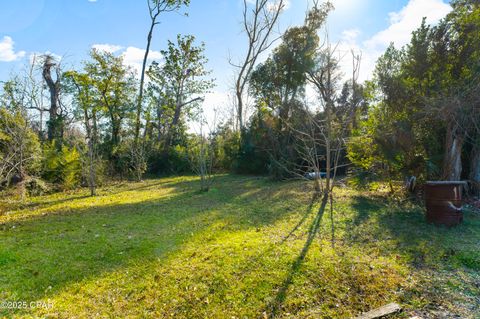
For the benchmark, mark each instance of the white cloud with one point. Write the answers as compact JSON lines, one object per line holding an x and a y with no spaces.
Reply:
{"x":132,"y":56}
{"x":408,"y":19}
{"x":349,"y":45}
{"x":107,"y":47}
{"x":399,"y":31}
{"x":216,"y":100}
{"x":7,"y":52}
{"x":351,"y":35}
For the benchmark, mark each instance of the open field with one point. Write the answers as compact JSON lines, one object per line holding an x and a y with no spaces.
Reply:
{"x":249,"y":248}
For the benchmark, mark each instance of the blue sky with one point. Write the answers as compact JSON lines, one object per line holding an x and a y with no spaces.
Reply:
{"x":69,"y":28}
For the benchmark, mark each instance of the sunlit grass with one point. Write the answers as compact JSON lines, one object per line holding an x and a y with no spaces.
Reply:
{"x":249,"y":248}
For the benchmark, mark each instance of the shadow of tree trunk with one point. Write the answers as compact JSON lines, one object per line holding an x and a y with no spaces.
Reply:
{"x":304,"y":217}
{"x":275,"y":306}
{"x":332,"y":221}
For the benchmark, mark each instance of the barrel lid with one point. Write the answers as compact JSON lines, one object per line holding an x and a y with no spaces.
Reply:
{"x":446,"y":183}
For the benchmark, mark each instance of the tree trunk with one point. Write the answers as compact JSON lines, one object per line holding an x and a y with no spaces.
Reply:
{"x":475,"y":170}
{"x":240,"y":109}
{"x":142,"y":81}
{"x":176,"y":116}
{"x":92,"y":172}
{"x":115,"y":132}
{"x":159,"y":121}
{"x":91,"y":136}
{"x":54,"y":88}
{"x":452,"y":164}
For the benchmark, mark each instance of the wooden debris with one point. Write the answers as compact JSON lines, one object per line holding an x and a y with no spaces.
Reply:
{"x":380,"y":312}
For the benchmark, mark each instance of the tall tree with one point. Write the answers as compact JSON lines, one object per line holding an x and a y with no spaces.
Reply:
{"x":182,"y":79}
{"x":114,"y":83}
{"x":87,"y":100}
{"x":55,"y":121}
{"x":281,"y":79}
{"x":155,"y":8}
{"x":278,"y":86}
{"x":259,"y":20}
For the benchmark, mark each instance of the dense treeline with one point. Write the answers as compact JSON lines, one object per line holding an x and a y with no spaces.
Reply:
{"x":424,"y":112}
{"x":418,"y":116}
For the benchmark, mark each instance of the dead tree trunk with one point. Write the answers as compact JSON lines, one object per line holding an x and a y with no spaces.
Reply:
{"x":452,"y":163}
{"x":53,"y":129}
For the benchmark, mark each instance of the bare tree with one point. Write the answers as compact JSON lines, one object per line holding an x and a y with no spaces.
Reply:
{"x":201,"y":153}
{"x":325,"y":77}
{"x":259,"y":21}
{"x":19,"y":148}
{"x":26,"y":91}
{"x":35,"y":91}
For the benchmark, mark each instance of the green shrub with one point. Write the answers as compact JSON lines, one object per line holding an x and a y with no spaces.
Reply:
{"x":62,"y":165}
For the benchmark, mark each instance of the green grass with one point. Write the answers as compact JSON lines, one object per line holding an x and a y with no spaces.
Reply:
{"x":249,"y":248}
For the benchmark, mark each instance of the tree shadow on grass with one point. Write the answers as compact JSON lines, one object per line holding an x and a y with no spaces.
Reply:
{"x":444,"y":260}
{"x":42,"y":255}
{"x":401,"y":228}
{"x":275,"y":306}
{"x":303,"y":219}
{"x":40,"y":202}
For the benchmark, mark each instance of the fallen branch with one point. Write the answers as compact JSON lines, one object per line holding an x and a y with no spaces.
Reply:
{"x":380,"y":312}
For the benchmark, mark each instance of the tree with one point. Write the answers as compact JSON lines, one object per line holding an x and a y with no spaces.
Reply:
{"x":55,"y":123}
{"x":424,"y":121}
{"x":459,"y":100}
{"x":87,"y":101}
{"x":259,"y":21}
{"x":179,"y":84}
{"x":279,"y":84}
{"x":114,"y":86}
{"x":19,"y":147}
{"x":282,"y":78}
{"x":201,"y":153}
{"x":155,"y":8}
{"x":325,"y":77}
{"x":25,"y":92}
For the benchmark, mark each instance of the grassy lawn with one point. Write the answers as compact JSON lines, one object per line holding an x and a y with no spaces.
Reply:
{"x":250,"y":248}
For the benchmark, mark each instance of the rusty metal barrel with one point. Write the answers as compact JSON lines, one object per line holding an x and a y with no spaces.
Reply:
{"x":443,"y":201}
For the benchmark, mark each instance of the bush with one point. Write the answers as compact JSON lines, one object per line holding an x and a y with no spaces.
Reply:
{"x":62,"y":165}
{"x":36,"y":186}
{"x":253,"y":156}
{"x":18,"y":145}
{"x":226,"y":147}
{"x":119,"y":162}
